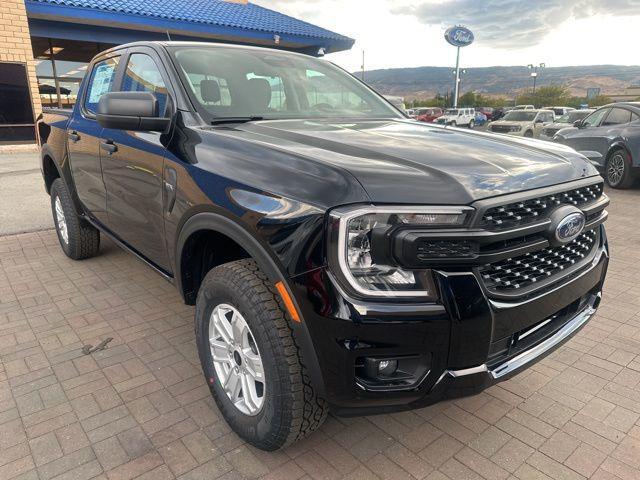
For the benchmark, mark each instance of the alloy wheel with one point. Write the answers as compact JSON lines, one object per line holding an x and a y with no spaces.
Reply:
{"x":62,"y":221}
{"x":236,"y":359}
{"x":615,"y":170}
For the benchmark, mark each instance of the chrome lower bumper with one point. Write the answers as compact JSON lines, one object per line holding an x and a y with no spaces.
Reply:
{"x":529,"y":356}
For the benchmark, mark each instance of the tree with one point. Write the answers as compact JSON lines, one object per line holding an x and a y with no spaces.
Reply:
{"x":545,"y":96}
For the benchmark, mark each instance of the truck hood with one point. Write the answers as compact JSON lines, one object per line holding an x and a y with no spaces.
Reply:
{"x":404,"y":161}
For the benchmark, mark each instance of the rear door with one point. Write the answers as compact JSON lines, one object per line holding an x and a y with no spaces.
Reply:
{"x":132,"y":164}
{"x":84,"y":134}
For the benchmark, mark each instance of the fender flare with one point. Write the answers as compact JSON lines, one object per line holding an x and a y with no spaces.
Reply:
{"x":230,"y":228}
{"x":617,"y":144}
{"x":47,"y":151}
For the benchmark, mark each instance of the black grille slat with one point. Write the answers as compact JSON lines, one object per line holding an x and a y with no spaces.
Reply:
{"x":525,"y":270}
{"x":532,"y":210}
{"x":434,"y":249}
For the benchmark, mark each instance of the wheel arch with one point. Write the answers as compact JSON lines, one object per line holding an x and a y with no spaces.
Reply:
{"x":618,"y":145}
{"x":49,"y":167}
{"x":217,"y":224}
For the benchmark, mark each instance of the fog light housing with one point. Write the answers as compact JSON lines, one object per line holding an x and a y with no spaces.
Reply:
{"x":387,"y":367}
{"x":391,"y":373}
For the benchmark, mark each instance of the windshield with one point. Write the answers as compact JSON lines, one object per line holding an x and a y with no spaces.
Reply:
{"x":573,"y":116}
{"x":228,"y":82}
{"x":451,"y":111}
{"x":520,"y":116}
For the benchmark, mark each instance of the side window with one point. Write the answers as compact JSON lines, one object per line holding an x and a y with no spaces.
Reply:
{"x":595,"y":118}
{"x":635,"y":117}
{"x":143,"y":75}
{"x":617,"y":116}
{"x":101,"y":82}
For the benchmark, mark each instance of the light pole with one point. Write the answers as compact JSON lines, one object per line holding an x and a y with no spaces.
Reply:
{"x":534,"y":73}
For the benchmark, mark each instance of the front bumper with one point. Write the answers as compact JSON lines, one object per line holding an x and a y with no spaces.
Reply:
{"x":467,"y":335}
{"x":519,"y":133}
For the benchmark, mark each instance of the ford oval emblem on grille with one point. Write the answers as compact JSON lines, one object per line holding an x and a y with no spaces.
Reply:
{"x":570,"y":227}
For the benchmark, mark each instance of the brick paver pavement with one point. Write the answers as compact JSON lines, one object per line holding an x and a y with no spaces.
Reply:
{"x":140,"y":409}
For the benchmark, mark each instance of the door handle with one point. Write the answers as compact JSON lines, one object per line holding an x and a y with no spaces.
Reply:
{"x":109,"y":147}
{"x":74,"y":136}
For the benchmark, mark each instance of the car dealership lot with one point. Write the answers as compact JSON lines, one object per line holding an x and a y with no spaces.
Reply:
{"x":141,"y":407}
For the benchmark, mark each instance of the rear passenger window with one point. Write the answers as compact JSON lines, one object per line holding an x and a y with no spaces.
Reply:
{"x":143,"y":75}
{"x":101,"y":82}
{"x":617,"y":116}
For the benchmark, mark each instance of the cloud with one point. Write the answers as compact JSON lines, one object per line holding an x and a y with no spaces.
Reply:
{"x":512,"y":24}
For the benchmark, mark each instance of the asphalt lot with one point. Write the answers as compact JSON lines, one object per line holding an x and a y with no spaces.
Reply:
{"x":140,"y":408}
{"x":25,"y":204}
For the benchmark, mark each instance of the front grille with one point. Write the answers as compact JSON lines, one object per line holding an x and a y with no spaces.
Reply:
{"x":532,"y":210}
{"x":531,"y":268}
{"x":501,"y":128}
{"x":434,"y":249}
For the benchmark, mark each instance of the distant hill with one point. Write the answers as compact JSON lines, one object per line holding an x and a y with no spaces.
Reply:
{"x":424,"y":82}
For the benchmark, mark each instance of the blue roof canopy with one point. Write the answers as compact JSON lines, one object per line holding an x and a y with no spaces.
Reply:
{"x":122,"y":21}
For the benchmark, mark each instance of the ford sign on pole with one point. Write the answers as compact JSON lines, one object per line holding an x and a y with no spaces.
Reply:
{"x":458,"y":36}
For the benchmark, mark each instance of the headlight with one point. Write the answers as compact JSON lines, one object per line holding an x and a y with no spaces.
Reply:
{"x":362,"y":240}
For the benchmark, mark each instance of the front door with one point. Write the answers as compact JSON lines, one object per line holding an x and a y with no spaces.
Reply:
{"x":83,"y":140}
{"x":132,"y":164}
{"x":588,"y":138}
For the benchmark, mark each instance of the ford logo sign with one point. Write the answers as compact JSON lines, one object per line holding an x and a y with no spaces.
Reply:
{"x":570,"y":227}
{"x":459,"y":36}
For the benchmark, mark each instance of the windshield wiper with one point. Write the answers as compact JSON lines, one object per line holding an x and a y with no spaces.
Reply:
{"x":221,"y":120}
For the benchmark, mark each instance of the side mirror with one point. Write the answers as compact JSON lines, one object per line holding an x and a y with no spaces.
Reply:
{"x":136,"y":111}
{"x":578,"y":124}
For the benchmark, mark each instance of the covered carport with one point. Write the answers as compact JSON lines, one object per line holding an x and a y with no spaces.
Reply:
{"x":63,"y":36}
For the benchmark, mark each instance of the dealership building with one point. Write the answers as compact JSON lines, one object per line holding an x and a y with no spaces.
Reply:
{"x":45,"y":45}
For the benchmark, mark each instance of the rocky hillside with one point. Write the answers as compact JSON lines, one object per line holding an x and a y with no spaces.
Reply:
{"x":423,"y":82}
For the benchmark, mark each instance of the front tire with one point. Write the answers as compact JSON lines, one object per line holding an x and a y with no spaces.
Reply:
{"x":528,"y":134}
{"x":78,"y":239}
{"x":280,"y":405}
{"x":618,"y":170}
{"x":471,"y":123}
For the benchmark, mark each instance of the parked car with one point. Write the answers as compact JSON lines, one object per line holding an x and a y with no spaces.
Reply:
{"x":559,"y":111}
{"x":480,"y":119}
{"x":523,"y":123}
{"x":339,"y":256}
{"x":498,"y":113}
{"x":487,"y":111}
{"x":610,"y":139}
{"x":428,"y":114}
{"x":566,"y":120}
{"x":458,"y":117}
{"x":524,"y":107}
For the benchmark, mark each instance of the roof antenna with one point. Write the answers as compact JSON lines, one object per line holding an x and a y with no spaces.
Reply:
{"x":168,"y":36}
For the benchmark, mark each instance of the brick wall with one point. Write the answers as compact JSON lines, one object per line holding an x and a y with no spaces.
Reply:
{"x":15,"y":43}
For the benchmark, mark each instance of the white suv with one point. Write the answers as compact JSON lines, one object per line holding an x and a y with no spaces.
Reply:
{"x":457,"y":117}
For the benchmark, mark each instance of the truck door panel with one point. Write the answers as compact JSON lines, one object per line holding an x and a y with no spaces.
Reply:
{"x":132,"y":165}
{"x":83,"y":138}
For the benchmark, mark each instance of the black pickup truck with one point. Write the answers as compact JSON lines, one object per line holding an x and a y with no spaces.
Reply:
{"x":340,"y":256}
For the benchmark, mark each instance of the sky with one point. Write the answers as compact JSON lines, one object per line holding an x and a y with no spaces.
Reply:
{"x":410,"y":33}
